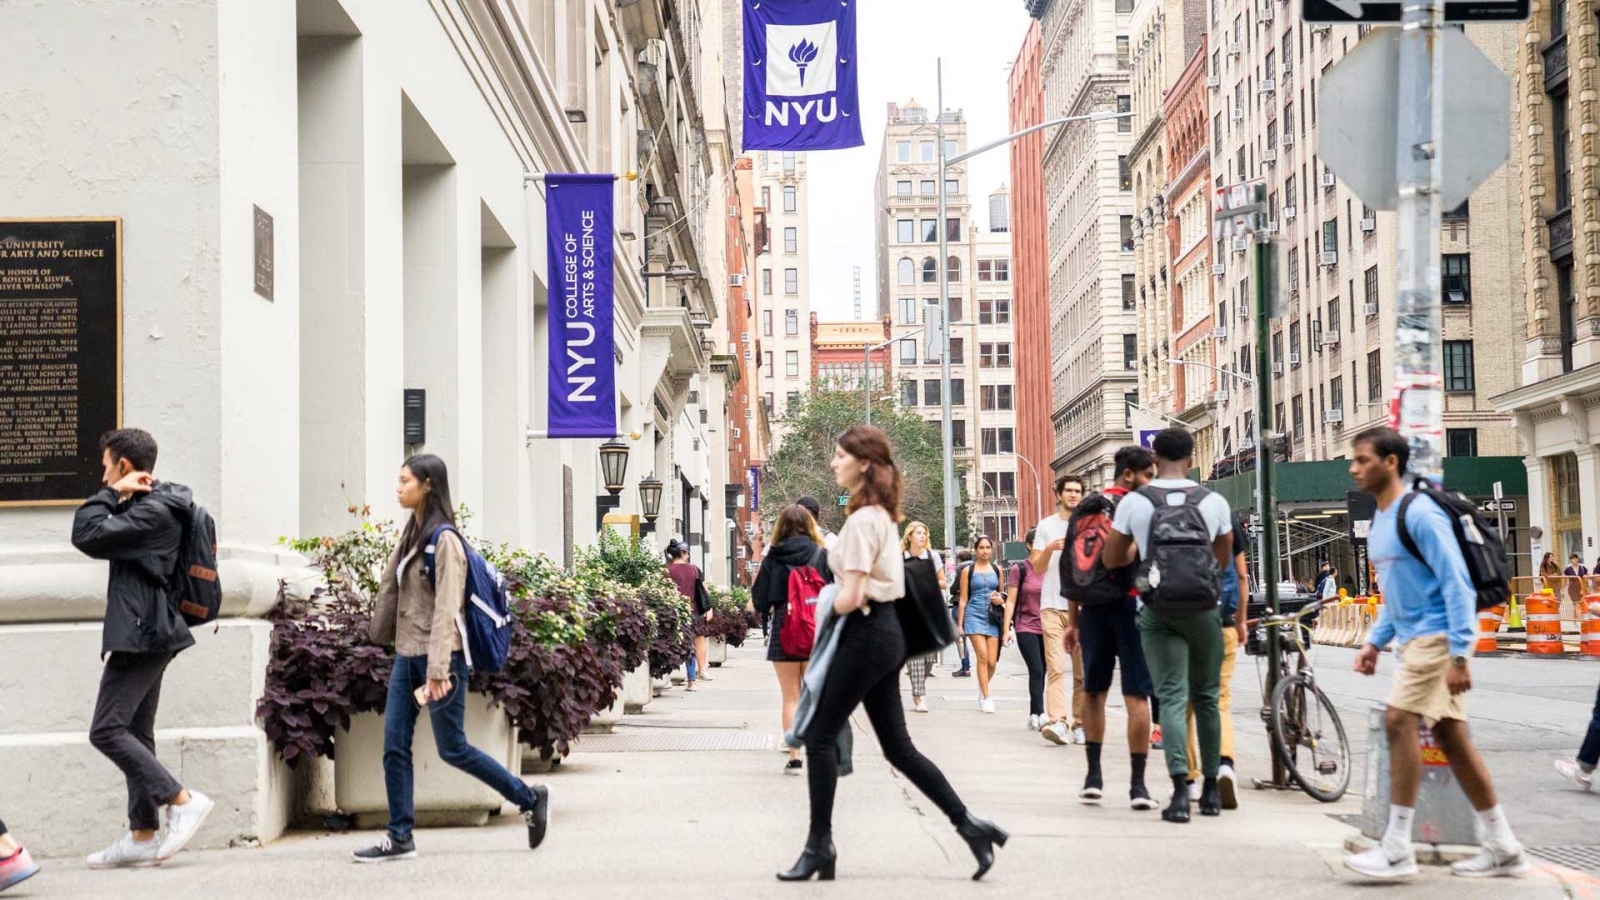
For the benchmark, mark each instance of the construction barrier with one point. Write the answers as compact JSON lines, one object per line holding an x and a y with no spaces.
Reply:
{"x":1489,"y":627}
{"x":1543,"y":621}
{"x":1590,"y":644}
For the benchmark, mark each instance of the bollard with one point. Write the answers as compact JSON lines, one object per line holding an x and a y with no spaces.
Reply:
{"x":1444,"y":814}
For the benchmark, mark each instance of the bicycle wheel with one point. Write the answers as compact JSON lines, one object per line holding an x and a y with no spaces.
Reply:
{"x":1310,"y":738}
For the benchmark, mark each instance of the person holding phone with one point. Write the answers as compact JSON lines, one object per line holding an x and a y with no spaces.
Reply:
{"x":418,"y":616}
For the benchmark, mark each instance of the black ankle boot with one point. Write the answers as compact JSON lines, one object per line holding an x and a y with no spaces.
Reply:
{"x":982,"y":836}
{"x":1210,"y":798}
{"x":1178,"y":810}
{"x":817,"y":859}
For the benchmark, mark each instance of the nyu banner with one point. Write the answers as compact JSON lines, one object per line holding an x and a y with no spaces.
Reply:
{"x":583,"y":382}
{"x":800,"y":75}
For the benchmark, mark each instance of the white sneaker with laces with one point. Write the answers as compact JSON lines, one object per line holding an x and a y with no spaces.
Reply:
{"x":1077,"y":736}
{"x":1056,"y":733}
{"x":986,"y":705}
{"x":127,"y":853}
{"x":1033,"y":723}
{"x":1228,"y":786}
{"x":1493,"y":862}
{"x":183,"y":821}
{"x":1570,"y":769}
{"x":1384,"y":863}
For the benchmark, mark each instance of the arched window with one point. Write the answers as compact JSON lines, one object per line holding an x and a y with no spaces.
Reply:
{"x":908,"y":271}
{"x":930,"y":271}
{"x":954,"y":265}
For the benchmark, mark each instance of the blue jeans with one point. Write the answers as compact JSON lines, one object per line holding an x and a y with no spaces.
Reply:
{"x":690,"y":665}
{"x":448,"y":717}
{"x":1590,"y":754}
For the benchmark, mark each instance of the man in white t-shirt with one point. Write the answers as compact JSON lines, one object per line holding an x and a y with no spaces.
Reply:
{"x":1049,"y":540}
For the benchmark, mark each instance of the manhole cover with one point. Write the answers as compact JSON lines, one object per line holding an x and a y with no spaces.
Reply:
{"x":676,"y":740}
{"x":1583,"y":857}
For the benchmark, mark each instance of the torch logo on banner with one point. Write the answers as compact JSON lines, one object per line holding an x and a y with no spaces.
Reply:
{"x":801,"y":55}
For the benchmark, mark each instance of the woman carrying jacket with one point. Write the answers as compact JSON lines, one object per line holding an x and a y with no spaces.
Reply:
{"x":865,"y":670}
{"x":914,"y":545}
{"x":418,"y":616}
{"x":796,"y":543}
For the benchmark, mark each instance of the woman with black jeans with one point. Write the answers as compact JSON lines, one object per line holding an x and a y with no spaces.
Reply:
{"x":1029,"y":630}
{"x":865,"y":671}
{"x":416,"y":611}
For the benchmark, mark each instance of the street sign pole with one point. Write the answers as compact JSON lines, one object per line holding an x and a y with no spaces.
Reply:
{"x":1418,"y":408}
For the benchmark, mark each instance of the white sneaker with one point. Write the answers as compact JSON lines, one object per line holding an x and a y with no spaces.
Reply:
{"x":1033,"y":723}
{"x":986,"y":705}
{"x":1056,"y":733}
{"x":127,"y":853}
{"x":1384,"y":863}
{"x":1077,"y":736}
{"x":1569,"y":768}
{"x":1493,"y":862}
{"x":183,"y":821}
{"x":1195,"y":789}
{"x":919,"y":704}
{"x":1228,"y":786}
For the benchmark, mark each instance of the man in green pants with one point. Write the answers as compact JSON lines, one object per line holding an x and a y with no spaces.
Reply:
{"x":1182,"y":536}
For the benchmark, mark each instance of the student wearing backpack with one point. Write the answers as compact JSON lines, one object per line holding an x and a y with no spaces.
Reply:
{"x":418,"y":615}
{"x":914,"y":546}
{"x":691,"y":584}
{"x":1429,"y":609}
{"x":1234,"y":604}
{"x":1055,"y":618}
{"x":792,"y":575}
{"x":983,"y":614}
{"x":1104,"y":623}
{"x":137,"y":523}
{"x":1182,"y":535}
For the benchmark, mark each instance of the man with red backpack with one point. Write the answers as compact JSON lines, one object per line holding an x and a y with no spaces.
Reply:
{"x":1104,"y":623}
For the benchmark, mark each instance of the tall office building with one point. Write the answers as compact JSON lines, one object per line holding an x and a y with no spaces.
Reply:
{"x":783,"y":292}
{"x":1030,"y":274}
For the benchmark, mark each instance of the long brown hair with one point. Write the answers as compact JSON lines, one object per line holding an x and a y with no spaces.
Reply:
{"x":795,"y":520}
{"x":880,"y":483}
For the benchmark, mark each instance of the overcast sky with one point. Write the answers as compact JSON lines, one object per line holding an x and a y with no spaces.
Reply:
{"x":897,"y":44}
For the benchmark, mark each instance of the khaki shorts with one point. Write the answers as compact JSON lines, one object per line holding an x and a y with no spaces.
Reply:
{"x":1419,"y":681}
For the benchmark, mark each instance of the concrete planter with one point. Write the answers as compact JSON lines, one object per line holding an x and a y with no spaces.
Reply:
{"x":603,"y":721}
{"x":443,"y":794}
{"x":636,"y":692}
{"x":716,"y":652}
{"x":659,"y":686}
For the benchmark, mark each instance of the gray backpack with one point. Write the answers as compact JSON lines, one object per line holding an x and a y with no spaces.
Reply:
{"x":1178,"y":573}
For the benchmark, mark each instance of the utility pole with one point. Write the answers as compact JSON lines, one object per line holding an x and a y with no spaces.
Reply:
{"x":942,"y":264}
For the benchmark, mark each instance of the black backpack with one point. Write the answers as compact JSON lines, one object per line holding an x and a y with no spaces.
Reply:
{"x":1481,"y":547}
{"x":1084,"y":578}
{"x":1178,"y":573}
{"x":194,"y":588}
{"x":955,"y":585}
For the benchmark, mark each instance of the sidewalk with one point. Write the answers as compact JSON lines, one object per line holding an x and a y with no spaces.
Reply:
{"x":688,"y":800}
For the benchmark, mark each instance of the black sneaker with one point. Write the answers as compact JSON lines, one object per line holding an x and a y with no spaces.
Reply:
{"x":538,"y":818}
{"x":1093,"y":787}
{"x":1139,"y":797}
{"x":795,"y":767}
{"x":386,"y":850}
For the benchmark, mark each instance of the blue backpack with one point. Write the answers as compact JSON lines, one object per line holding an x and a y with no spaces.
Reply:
{"x":485,"y":619}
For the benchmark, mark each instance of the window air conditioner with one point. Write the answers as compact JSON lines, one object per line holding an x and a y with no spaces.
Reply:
{"x":1241,"y":243}
{"x":1369,"y":224}
{"x":1322,"y":29}
{"x":1220,"y":395}
{"x":1333,"y":416}
{"x":1327,"y":180}
{"x":1287,"y":139}
{"x":1268,"y":85}
{"x":1244,"y":311}
{"x":1277,"y":368}
{"x":1330,"y":258}
{"x":1237,"y":115}
{"x":1286,"y":70}
{"x":738,"y":279}
{"x":1220,"y":332}
{"x":1218,"y":269}
{"x":1214,"y":82}
{"x":1269,"y":155}
{"x":1289,"y":212}
{"x":1330,"y":339}
{"x":1370,"y":309}
{"x":1294,"y":360}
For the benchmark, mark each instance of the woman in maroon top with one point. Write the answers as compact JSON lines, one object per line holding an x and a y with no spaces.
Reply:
{"x":691,"y":584}
{"x":1026,"y":626}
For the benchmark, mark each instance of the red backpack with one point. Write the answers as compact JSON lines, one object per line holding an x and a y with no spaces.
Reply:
{"x":799,"y":631}
{"x":1084,"y":577}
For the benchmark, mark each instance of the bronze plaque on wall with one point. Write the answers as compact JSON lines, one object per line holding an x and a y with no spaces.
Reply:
{"x":60,"y":355}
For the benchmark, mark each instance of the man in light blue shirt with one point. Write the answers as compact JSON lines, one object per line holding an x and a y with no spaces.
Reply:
{"x":1429,"y":609}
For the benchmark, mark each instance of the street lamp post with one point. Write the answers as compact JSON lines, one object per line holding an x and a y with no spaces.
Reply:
{"x":945,"y":162}
{"x":1244,"y":378}
{"x":866,"y":366}
{"x":1038,"y":486}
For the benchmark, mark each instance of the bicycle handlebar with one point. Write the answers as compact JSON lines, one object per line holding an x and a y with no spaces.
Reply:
{"x":1289,"y":618}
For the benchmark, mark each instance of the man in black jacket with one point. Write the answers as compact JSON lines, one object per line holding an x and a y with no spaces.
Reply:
{"x":136,"y":523}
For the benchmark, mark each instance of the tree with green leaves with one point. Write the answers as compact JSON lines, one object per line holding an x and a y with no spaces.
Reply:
{"x":813,"y":424}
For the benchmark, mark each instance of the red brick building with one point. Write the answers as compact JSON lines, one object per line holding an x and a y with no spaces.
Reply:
{"x":836,"y":353}
{"x":746,"y":543}
{"x":1030,"y":268}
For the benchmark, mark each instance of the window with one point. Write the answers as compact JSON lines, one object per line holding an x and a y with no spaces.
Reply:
{"x":1336,"y":393}
{"x":1455,"y":278}
{"x":766,"y":282}
{"x":767,"y":362}
{"x":996,"y":397}
{"x":1330,"y":235}
{"x":958,"y":433}
{"x":1294,"y":341}
{"x":1216,"y":133}
{"x":998,"y":441}
{"x":908,"y":393}
{"x":958,"y":392}
{"x":766,"y":322}
{"x":1558,"y":18}
{"x":1130,"y":352}
{"x":994,"y":356}
{"x":1126,"y":223}
{"x":908,"y":310}
{"x":999,"y":485}
{"x":1124,"y":57}
{"x":1125,"y":123}
{"x":907,"y":272}
{"x":1461,"y":442}
{"x":1124,"y":6}
{"x":791,"y":322}
{"x":953,"y":265}
{"x":930,"y":271}
{"x":791,"y":240}
{"x":788,"y":163}
{"x":952,"y":229}
{"x":930,"y":231}
{"x":1002,"y":270}
{"x":791,"y":281}
{"x":927,"y":188}
{"x":1371,"y":286}
{"x":1124,"y":177}
{"x":1128,"y":301}
{"x":902,"y":188}
{"x":1277,"y":352}
{"x":1374,"y":377}
{"x":1129,"y":401}
{"x":1460,"y":212}
{"x":958,"y":348}
{"x":930,"y":392}
{"x":791,"y":198}
{"x":766,"y":198}
{"x":794,"y":397}
{"x":951,"y":149}
{"x":927,"y":152}
{"x":768,"y":400}
{"x":791,"y":363}
{"x":1222,"y":311}
{"x":1294,"y":268}
{"x":952,"y":186}
{"x":1299,"y":418}
{"x":985,"y":270}
{"x":905,"y":231}
{"x":908,"y":351}
{"x":994,"y":312}
{"x":902,"y":151}
{"x":1458,"y":374}
{"x":1333,"y":315}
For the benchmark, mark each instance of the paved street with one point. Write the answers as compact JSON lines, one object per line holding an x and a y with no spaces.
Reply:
{"x":669,"y":806}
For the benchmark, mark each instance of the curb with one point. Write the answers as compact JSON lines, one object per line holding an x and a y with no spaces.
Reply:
{"x":1427,"y":854}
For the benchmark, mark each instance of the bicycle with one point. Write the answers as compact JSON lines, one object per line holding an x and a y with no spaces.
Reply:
{"x":1305,"y":726}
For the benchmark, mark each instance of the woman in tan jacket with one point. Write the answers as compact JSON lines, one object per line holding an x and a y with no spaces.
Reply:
{"x":419,"y":615}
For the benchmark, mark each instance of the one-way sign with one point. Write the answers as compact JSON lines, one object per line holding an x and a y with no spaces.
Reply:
{"x":1389,"y":10}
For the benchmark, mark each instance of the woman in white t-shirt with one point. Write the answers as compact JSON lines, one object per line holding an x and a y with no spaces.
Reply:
{"x":914,"y":545}
{"x":868,"y":565}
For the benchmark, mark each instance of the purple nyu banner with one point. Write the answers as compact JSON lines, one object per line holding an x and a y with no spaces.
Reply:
{"x":800,"y":75}
{"x":583,"y":382}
